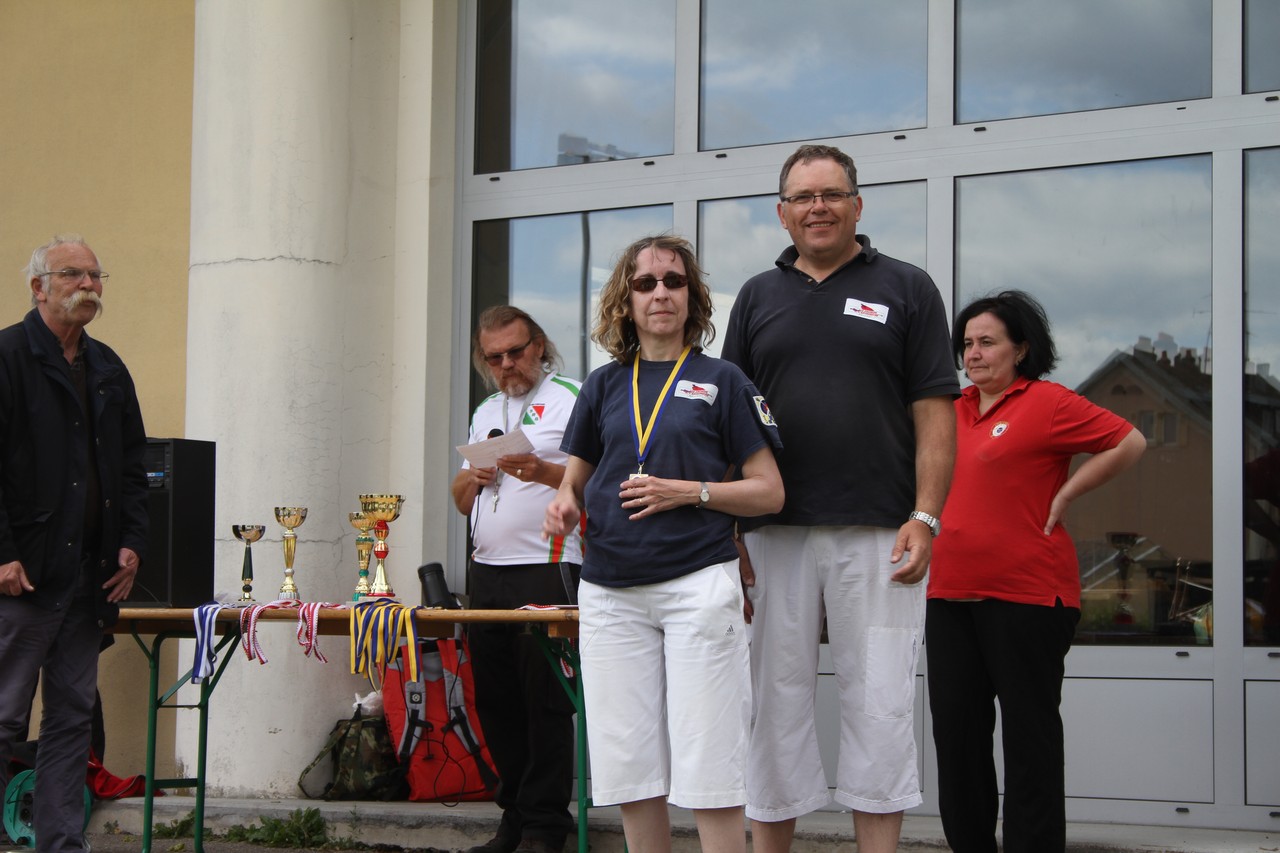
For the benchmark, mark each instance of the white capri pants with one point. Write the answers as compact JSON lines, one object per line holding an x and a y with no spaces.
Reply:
{"x":875,"y":628}
{"x":666,"y":672}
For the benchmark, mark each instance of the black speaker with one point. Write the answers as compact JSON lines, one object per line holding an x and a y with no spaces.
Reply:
{"x":178,"y":569}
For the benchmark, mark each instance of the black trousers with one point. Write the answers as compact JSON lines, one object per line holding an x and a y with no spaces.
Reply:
{"x":525,"y":713}
{"x":980,"y":652}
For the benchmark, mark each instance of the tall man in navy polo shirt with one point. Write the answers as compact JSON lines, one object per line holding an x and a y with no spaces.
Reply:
{"x":73,"y":522}
{"x":851,"y":349}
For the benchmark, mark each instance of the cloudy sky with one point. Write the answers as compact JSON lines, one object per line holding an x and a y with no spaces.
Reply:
{"x":1262,"y":257}
{"x":773,"y":72}
{"x":1033,"y":57}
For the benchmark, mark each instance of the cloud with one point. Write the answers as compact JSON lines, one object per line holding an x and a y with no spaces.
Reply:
{"x":577,"y":68}
{"x":766,"y":78}
{"x":1018,"y":58}
{"x":1262,"y":257}
{"x":1113,"y":251}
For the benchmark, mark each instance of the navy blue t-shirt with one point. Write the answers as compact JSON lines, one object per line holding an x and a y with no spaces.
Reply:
{"x":713,"y":419}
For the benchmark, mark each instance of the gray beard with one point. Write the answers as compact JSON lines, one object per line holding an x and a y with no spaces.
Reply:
{"x":517,"y":388}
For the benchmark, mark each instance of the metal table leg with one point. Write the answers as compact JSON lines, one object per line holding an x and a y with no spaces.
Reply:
{"x":562,"y":650}
{"x":156,"y":701}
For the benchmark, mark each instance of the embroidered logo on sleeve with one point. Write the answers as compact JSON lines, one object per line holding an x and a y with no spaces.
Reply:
{"x":867,"y":310}
{"x":703,"y":391}
{"x":762,"y":409}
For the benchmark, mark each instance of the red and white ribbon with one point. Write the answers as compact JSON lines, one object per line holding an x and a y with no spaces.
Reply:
{"x":249,"y":627}
{"x":308,"y":633}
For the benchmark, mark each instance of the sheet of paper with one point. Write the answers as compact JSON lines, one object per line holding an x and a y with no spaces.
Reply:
{"x":484,"y":454}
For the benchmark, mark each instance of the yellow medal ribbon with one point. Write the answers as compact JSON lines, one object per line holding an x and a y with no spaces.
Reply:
{"x":642,"y":435}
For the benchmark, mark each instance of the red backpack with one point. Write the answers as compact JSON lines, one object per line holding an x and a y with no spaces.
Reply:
{"x":431,"y":714}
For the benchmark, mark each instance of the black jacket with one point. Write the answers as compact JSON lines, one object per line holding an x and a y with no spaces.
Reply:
{"x":44,"y":457}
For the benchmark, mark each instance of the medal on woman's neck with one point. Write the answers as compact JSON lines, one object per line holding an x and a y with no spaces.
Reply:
{"x":644,"y":434}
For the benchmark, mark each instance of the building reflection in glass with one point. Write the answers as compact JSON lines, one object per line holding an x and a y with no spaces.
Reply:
{"x":1262,"y":400}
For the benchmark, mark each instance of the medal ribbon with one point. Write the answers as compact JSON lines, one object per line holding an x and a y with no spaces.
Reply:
{"x":375,"y":632}
{"x":206,"y":618}
{"x":412,"y":652}
{"x":249,"y":627}
{"x":308,"y":635}
{"x":642,"y":436}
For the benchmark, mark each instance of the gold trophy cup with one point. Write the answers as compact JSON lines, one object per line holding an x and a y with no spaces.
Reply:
{"x":290,"y":517}
{"x":248,"y":534}
{"x":383,"y":509}
{"x":364,"y":545}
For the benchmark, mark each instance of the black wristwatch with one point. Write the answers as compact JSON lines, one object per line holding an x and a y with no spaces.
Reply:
{"x":935,"y":526}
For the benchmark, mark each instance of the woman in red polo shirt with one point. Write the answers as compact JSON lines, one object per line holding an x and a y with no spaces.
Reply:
{"x":1004,"y":583}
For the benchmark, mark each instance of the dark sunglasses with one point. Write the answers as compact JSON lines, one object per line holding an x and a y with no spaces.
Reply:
{"x":496,"y":359}
{"x":646,"y":283}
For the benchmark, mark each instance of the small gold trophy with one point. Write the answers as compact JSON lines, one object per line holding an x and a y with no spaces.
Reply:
{"x":383,"y":509}
{"x":248,"y":534}
{"x":364,"y":544}
{"x":290,"y":517}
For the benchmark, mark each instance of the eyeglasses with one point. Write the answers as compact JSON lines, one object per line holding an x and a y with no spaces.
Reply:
{"x":75,"y":275}
{"x":646,"y":283}
{"x":496,"y":359}
{"x":806,"y":199}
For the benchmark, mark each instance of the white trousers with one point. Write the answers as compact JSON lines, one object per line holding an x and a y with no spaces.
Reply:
{"x":667,"y":679}
{"x":875,"y":628}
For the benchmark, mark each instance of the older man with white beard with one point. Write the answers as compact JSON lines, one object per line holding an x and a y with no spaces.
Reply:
{"x":525,"y":714}
{"x":73,"y":522}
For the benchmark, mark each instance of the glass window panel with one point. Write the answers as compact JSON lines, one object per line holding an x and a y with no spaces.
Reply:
{"x":1261,"y":34}
{"x":740,"y":237}
{"x":765,"y":79}
{"x":1105,"y":249}
{"x":554,"y":266}
{"x":1037,"y":57}
{"x":1262,"y":398}
{"x":573,"y":81}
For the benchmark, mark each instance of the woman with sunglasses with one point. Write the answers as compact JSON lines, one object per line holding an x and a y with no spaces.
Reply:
{"x":666,"y":447}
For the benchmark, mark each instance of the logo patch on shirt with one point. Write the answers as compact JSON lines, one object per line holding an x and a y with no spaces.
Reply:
{"x":762,"y":409}
{"x":999,"y":429}
{"x":867,"y":310}
{"x":533,"y":414}
{"x":704,"y":391}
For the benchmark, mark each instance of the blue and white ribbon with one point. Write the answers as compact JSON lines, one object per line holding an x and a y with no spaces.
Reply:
{"x":206,"y":616}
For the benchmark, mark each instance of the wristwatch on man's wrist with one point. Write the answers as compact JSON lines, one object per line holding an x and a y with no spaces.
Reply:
{"x":704,"y":496}
{"x":935,"y":526}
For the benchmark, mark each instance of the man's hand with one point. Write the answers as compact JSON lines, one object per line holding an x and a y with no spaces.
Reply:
{"x":119,"y":585}
{"x":915,"y":539}
{"x":13,"y":579}
{"x":528,"y":468}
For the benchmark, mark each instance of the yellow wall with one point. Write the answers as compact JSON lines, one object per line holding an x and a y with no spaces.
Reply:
{"x":95,"y":138}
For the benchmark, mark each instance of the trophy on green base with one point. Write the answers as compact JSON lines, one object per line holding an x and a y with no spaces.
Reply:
{"x":383,"y":509}
{"x":248,"y":534}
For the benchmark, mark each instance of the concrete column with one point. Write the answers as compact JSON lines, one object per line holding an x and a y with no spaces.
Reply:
{"x":296,"y":304}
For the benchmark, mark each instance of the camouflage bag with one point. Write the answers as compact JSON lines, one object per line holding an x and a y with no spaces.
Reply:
{"x":363,"y":763}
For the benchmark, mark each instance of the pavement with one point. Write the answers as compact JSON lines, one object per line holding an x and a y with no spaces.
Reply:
{"x":419,"y":826}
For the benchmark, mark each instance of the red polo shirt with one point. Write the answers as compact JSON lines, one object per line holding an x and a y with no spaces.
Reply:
{"x":1010,"y":462}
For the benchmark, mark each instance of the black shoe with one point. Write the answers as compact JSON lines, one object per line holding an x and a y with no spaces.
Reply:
{"x":538,"y":845}
{"x":500,"y":843}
